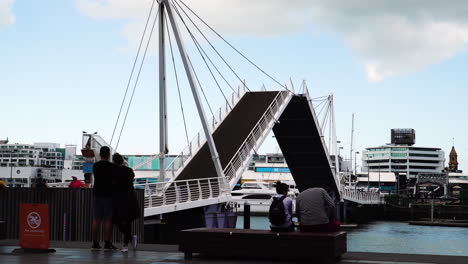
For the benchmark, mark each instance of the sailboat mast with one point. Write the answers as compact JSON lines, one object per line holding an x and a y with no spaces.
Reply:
{"x":162,"y":96}
{"x":351,"y":150}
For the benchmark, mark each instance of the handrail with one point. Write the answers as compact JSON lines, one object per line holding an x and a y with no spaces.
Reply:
{"x":199,"y":140}
{"x":184,"y":191}
{"x":362,"y":197}
{"x":250,"y":141}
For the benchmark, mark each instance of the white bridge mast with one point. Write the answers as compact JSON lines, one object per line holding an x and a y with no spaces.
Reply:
{"x":162,"y":97}
{"x":166,"y":4}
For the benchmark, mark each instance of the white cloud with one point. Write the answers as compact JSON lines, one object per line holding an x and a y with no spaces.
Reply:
{"x":6,"y":14}
{"x":390,"y":37}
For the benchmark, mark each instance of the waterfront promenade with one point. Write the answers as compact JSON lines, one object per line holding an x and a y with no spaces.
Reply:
{"x":78,"y":252}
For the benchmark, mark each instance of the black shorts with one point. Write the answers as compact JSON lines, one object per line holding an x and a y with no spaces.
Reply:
{"x":102,"y":208}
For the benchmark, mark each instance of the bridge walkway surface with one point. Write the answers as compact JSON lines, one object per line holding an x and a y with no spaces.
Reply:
{"x":229,"y":135}
{"x":78,"y":252}
{"x":300,"y":139}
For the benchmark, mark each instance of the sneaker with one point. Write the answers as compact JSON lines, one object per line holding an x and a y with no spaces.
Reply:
{"x":95,"y":246}
{"x":124,"y":249}
{"x":109,"y":247}
{"x":134,"y":241}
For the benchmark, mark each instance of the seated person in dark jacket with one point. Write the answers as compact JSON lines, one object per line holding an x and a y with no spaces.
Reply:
{"x":314,"y":208}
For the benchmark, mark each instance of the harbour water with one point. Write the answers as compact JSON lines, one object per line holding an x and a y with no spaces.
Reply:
{"x":397,"y":237}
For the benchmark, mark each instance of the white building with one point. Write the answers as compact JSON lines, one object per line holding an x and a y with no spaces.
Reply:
{"x":403,"y":159}
{"x":21,"y":163}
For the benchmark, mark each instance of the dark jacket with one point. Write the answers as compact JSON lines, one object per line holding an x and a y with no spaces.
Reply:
{"x":125,"y":203}
{"x":103,"y":171}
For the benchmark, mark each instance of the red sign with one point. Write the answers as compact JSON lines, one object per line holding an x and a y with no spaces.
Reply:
{"x":34,"y":226}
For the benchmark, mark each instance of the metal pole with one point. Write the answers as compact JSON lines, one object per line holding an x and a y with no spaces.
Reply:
{"x":246,"y":215}
{"x":351,"y":149}
{"x":162,"y":96}
{"x":335,"y":146}
{"x":432,"y":210}
{"x":194,"y":88}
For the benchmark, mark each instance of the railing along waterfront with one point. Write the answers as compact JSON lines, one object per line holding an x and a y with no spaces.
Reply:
{"x":70,"y":212}
{"x":184,"y":191}
{"x":242,"y":155}
{"x":361,"y":197}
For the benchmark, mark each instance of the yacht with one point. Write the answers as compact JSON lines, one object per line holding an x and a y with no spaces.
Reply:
{"x":258,"y":195}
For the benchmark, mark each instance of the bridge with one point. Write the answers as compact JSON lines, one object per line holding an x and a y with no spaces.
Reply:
{"x":238,"y":133}
{"x":213,"y":161}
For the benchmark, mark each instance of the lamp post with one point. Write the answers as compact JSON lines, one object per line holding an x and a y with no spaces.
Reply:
{"x":11,"y":168}
{"x":355,"y":167}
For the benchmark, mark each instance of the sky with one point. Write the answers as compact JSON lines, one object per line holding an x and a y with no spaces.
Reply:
{"x":65,"y":64}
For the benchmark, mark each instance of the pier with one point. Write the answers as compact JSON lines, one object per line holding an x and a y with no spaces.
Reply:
{"x":77,"y":253}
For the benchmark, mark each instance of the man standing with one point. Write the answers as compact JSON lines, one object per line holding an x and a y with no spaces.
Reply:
{"x":314,"y":208}
{"x":102,"y":204}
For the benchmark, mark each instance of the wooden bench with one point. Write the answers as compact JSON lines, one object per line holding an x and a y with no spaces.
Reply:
{"x":265,"y":244}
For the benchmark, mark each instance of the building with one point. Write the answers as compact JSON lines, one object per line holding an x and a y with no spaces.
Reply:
{"x":21,"y":163}
{"x":383,"y":181}
{"x":403,"y":158}
{"x":453,"y":161}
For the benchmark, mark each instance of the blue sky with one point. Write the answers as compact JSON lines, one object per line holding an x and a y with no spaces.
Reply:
{"x":64,"y":68}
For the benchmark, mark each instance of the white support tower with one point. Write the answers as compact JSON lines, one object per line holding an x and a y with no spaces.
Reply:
{"x":194,"y":88}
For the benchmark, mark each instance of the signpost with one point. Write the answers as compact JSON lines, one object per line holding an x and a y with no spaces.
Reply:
{"x":34,"y":228}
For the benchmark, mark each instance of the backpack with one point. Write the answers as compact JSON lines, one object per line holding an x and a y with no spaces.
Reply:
{"x":277,"y":213}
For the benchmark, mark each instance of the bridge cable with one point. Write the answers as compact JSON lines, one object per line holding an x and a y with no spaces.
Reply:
{"x":212,"y":46}
{"x":321,"y":98}
{"x":198,"y":43}
{"x":177,"y":82}
{"x":323,"y":106}
{"x":319,"y":104}
{"x":199,"y":48}
{"x":137,"y":78}
{"x":204,"y":52}
{"x":234,"y":48}
{"x":131,"y":73}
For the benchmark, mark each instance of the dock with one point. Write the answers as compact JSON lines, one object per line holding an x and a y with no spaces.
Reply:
{"x":78,"y":252}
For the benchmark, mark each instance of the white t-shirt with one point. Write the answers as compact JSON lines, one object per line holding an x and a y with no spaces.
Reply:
{"x":287,"y":202}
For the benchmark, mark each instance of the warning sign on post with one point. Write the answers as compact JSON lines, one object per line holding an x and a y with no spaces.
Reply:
{"x":34,"y":226}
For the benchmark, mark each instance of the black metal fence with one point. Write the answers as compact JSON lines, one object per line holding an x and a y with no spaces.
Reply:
{"x":70,"y":212}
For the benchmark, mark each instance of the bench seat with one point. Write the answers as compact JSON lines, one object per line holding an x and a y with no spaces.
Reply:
{"x":264,"y":244}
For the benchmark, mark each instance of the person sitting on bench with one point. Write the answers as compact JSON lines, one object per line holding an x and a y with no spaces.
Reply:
{"x":315,"y":211}
{"x":280,"y":213}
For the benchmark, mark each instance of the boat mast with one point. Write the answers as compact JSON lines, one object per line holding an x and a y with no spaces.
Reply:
{"x":194,"y":88}
{"x":162,"y":96}
{"x":351,"y":151}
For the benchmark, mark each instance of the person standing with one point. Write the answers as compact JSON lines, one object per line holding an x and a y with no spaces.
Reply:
{"x":280,"y":213}
{"x":102,"y":199}
{"x":75,"y":183}
{"x":314,"y":208}
{"x":126,"y":207}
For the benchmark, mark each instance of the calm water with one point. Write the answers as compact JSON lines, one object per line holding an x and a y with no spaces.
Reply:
{"x":397,"y":237}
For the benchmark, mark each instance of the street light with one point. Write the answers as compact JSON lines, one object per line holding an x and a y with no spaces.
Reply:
{"x":355,"y":167}
{"x":11,"y":168}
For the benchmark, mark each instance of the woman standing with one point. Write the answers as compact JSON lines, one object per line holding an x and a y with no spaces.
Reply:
{"x":126,"y":207}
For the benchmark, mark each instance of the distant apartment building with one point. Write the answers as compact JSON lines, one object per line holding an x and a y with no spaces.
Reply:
{"x":402,"y":157}
{"x":20,"y":163}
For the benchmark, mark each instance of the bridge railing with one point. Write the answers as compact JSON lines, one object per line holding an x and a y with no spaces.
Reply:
{"x":178,"y":163}
{"x":184,"y":191}
{"x":361,"y":197}
{"x":232,"y":169}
